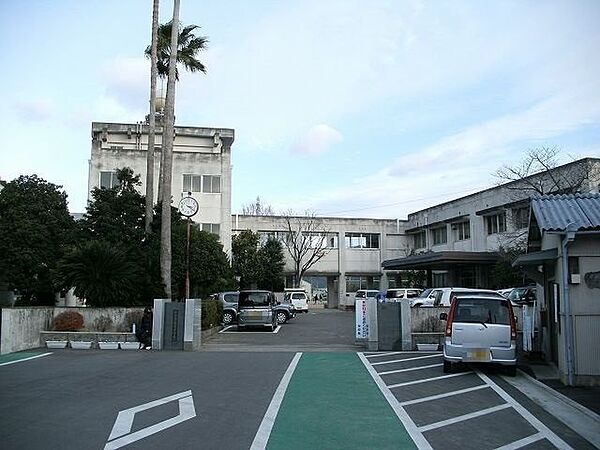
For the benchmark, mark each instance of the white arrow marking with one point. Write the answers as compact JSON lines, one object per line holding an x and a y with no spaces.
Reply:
{"x":121,"y":432}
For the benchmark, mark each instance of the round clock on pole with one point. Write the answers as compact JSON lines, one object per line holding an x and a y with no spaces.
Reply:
{"x":188,"y":206}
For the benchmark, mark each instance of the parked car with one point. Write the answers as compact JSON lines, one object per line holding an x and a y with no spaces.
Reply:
{"x":521,"y":295}
{"x":443,"y":296}
{"x":297,"y":298}
{"x":366,"y":293}
{"x":480,"y":329}
{"x":397,"y":294}
{"x":229,"y":303}
{"x":255,"y":309}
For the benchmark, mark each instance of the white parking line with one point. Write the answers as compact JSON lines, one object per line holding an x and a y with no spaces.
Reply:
{"x":426,"y":380}
{"x":445,"y":423}
{"x":264,"y":430}
{"x":410,"y":369}
{"x":534,"y":421}
{"x":405,"y":359}
{"x":408,"y":423}
{"x":444,"y":395}
{"x":522,"y":442}
{"x":25,"y":359}
{"x":374,"y":355}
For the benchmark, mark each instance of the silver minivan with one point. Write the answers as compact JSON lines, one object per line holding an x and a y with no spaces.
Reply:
{"x":480,"y":329}
{"x":255,"y":309}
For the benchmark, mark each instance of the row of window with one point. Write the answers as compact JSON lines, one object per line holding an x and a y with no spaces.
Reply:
{"x":208,"y":184}
{"x":330,"y":240}
{"x":494,"y":223}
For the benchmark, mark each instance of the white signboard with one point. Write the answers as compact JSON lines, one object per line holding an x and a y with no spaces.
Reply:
{"x":362,"y":319}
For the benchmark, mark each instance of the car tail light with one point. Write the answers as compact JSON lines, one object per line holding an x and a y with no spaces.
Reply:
{"x":453,"y":304}
{"x":513,"y":323}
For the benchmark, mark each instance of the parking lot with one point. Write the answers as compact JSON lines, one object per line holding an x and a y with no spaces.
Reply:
{"x":306,"y":385}
{"x":466,"y":409}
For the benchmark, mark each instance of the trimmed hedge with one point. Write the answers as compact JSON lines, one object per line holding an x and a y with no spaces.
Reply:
{"x":211,"y":313}
{"x":68,"y":321}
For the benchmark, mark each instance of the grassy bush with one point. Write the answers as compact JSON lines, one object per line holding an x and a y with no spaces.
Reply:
{"x":68,"y":321}
{"x":211,"y":313}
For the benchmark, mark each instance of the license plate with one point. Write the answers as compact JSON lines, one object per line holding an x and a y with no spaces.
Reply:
{"x":478,"y":355}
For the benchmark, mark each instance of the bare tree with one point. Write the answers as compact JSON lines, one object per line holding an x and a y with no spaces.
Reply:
{"x":257,"y":208}
{"x":306,"y":240}
{"x":151,"y":121}
{"x":551,"y":178}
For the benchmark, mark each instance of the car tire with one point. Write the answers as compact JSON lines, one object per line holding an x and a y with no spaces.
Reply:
{"x":511,"y":371}
{"x":281,"y":318}
{"x":227,"y":318}
{"x":447,"y":367}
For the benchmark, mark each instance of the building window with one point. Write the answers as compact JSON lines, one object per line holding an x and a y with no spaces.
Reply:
{"x":211,"y":184}
{"x":440,"y":235}
{"x":362,"y":240}
{"x":420,"y":239}
{"x":520,"y":218}
{"x":496,"y":223}
{"x":108,"y":180}
{"x":462,"y":230}
{"x":354,"y":283}
{"x":192,"y":183}
{"x":213,"y":228}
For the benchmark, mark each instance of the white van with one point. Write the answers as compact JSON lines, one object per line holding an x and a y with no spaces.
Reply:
{"x":298,"y":298}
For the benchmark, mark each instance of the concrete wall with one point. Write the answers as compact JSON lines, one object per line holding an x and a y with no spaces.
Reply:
{"x":20,"y":329}
{"x":21,"y":326}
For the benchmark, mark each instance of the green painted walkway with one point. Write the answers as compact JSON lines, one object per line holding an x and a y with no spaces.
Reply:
{"x":10,"y":357}
{"x":333,"y":403}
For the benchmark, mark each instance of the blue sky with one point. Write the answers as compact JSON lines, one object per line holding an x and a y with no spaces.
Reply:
{"x":350,"y":108}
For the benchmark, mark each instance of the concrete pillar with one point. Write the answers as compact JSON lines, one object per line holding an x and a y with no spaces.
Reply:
{"x":192,"y":333}
{"x":332,"y":293}
{"x":406,"y":323}
{"x":341,"y":269}
{"x":158,"y":322}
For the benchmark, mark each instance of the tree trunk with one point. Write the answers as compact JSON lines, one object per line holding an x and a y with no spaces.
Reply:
{"x":151,"y":123}
{"x":167,"y":148}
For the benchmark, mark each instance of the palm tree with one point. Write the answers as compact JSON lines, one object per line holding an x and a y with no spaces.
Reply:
{"x":151,"y":121}
{"x":188,"y":47}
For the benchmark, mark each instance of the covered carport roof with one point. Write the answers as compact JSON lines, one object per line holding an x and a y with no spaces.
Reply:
{"x":536,"y":258}
{"x":441,"y":260}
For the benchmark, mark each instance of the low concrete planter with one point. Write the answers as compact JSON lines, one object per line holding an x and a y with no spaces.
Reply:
{"x":56,"y":344}
{"x":427,"y":347}
{"x":92,"y":336}
{"x":129,"y":345}
{"x":108,"y":345}
{"x":81,"y":345}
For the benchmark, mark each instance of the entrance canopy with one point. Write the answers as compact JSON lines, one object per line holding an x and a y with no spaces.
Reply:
{"x":441,"y":260}
{"x":536,"y":258}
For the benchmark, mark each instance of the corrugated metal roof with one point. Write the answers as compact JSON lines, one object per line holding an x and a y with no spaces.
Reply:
{"x":556,"y":212}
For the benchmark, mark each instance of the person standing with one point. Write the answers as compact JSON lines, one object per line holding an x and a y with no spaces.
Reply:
{"x":145,"y":332}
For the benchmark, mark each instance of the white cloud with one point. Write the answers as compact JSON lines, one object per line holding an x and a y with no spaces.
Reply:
{"x":317,"y":140}
{"x":38,"y":110}
{"x":127,"y":80}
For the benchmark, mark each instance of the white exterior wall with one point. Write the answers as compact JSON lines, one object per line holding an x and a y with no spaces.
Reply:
{"x":197,"y":151}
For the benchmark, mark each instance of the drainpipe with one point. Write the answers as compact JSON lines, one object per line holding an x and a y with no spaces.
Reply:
{"x":568,"y":238}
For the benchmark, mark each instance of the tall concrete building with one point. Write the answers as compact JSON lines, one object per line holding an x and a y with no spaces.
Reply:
{"x":201,"y":166}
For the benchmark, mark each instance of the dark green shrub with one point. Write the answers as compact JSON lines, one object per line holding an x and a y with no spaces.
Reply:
{"x":211,"y":313}
{"x":68,"y":321}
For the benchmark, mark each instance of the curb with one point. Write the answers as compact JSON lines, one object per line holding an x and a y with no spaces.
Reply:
{"x":563,"y":397}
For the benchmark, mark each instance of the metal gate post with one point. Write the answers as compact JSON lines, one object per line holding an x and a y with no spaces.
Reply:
{"x":158,"y":323}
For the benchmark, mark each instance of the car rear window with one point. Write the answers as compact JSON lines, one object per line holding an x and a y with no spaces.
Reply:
{"x":473,"y":310}
{"x":298,"y":296}
{"x":230,"y":298}
{"x":371,"y":294}
{"x":394,"y":294}
{"x":250,"y":299}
